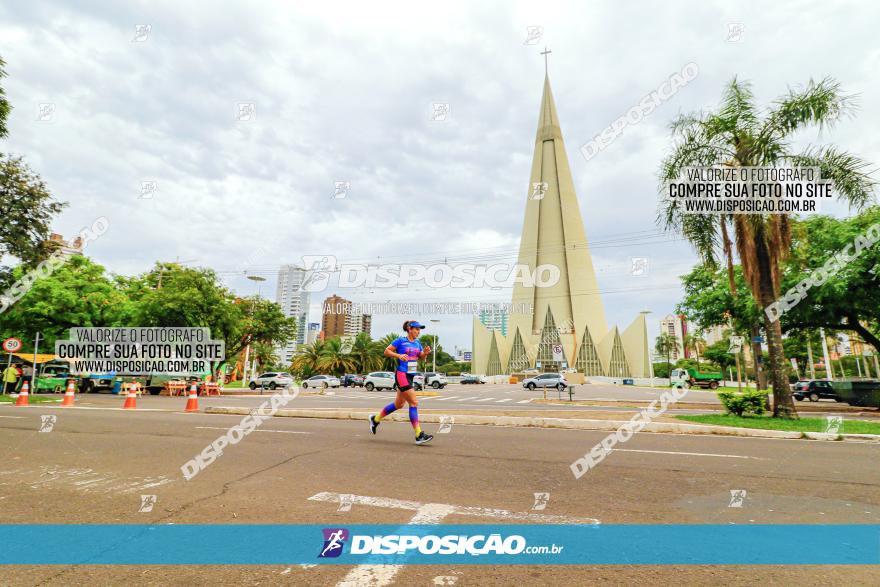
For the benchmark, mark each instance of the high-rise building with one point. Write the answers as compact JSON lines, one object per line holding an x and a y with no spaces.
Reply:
{"x":294,"y":302}
{"x":339,"y":318}
{"x":66,"y":248}
{"x":566,"y":325}
{"x":675,"y":326}
{"x":494,"y":320}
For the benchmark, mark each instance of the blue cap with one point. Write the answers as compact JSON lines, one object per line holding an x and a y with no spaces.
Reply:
{"x":415,"y":324}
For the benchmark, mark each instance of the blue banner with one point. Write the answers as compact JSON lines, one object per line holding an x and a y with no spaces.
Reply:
{"x":472,"y":544}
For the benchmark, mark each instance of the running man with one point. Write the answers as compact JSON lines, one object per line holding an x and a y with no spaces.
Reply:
{"x":407,"y":350}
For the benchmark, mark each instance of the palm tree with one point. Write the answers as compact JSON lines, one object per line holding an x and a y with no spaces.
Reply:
{"x":694,"y":341}
{"x":666,"y":345}
{"x":332,"y":360}
{"x":739,"y":135}
{"x":305,"y":361}
{"x":387,"y":363}
{"x":366,"y":354}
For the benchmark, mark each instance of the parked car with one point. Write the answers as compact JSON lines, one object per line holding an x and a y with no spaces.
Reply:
{"x":271,"y":380}
{"x":352,"y":381}
{"x":814,"y":390}
{"x":321,"y":381}
{"x":379,"y":380}
{"x":531,"y":372}
{"x":434,"y":380}
{"x":466,"y":379}
{"x":556,"y":380}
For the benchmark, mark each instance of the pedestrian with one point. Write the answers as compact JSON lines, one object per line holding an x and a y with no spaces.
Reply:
{"x":407,"y":350}
{"x":10,"y":379}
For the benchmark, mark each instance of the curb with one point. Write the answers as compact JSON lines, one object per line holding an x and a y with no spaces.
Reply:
{"x":562,"y":423}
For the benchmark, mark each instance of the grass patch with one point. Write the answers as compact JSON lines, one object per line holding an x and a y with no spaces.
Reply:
{"x":34,"y":399}
{"x":768,"y":423}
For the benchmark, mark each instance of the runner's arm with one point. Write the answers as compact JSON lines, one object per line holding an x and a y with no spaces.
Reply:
{"x":390,"y":351}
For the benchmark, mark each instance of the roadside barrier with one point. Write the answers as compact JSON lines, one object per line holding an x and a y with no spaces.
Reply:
{"x":192,"y":402}
{"x":22,"y":395}
{"x":69,"y":395}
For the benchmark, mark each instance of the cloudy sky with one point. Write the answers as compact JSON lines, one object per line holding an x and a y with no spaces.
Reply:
{"x":343,"y":91}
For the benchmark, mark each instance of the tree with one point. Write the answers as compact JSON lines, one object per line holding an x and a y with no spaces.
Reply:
{"x":332,"y":360}
{"x":694,"y":341}
{"x":737,"y":135}
{"x":195,"y":297}
{"x":717,"y":353}
{"x":831,"y":305}
{"x":665,"y":345}
{"x":77,"y":294}
{"x":26,"y":211}
{"x":366,"y":353}
{"x":305,"y":361}
{"x":5,"y":107}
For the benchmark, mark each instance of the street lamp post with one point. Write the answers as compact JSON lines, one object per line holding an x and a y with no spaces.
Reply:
{"x":436,"y":345}
{"x":247,"y":353}
{"x":648,"y":346}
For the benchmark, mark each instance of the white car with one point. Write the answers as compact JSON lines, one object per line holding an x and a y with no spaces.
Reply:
{"x":271,"y":380}
{"x":379,"y":380}
{"x":321,"y":381}
{"x":435,"y":380}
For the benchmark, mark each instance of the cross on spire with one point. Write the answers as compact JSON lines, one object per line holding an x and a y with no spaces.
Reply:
{"x":545,"y":52}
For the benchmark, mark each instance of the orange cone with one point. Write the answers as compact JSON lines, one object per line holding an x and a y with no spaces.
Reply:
{"x":192,"y":402}
{"x":22,"y":395}
{"x":131,"y":398}
{"x":68,"y":395}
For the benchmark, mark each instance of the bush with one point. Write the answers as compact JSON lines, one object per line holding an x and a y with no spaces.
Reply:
{"x":747,"y":402}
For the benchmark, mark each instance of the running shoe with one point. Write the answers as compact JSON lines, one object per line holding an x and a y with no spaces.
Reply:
{"x":424,"y":438}
{"x":373,"y":424}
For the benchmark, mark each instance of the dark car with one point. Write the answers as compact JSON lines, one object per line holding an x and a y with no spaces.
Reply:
{"x":466,"y":379}
{"x":349,"y":380}
{"x":814,"y":390}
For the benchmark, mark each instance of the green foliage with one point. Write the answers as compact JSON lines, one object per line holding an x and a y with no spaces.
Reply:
{"x":26,"y":211}
{"x":662,"y":370}
{"x":77,"y":294}
{"x":747,"y":402}
{"x":5,"y":107}
{"x":709,"y":302}
{"x":717,"y":353}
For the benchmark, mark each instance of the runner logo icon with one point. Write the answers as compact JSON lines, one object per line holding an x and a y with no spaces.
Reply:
{"x":334,"y":540}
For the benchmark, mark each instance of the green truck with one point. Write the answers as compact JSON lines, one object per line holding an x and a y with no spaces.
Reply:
{"x":692,"y":378}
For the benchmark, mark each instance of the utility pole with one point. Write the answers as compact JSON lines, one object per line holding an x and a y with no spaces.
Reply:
{"x":829,"y":374}
{"x":810,"y":359}
{"x":34,"y":372}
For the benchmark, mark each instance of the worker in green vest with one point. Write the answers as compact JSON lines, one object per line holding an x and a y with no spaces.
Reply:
{"x":10,"y":378}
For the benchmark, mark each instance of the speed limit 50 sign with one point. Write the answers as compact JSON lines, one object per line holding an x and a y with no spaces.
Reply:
{"x":12,"y":345}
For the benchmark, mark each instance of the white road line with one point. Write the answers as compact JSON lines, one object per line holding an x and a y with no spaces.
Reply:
{"x":18,"y":417}
{"x":400,"y":504}
{"x":443,"y":399}
{"x":525,"y":401}
{"x":486,"y":399}
{"x":691,"y":454}
{"x":426,"y":513}
{"x":501,"y":401}
{"x":464,"y":399}
{"x":254,"y":430}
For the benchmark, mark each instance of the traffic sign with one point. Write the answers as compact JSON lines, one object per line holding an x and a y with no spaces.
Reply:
{"x":12,"y":345}
{"x":557,"y":352}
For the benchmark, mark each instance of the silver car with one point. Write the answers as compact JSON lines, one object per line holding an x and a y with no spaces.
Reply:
{"x":556,"y":380}
{"x":271,"y":380}
{"x":321,"y":381}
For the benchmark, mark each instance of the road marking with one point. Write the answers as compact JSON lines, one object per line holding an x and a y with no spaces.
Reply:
{"x":501,"y":401}
{"x":443,"y":399}
{"x":426,"y":513}
{"x":691,"y":454}
{"x":525,"y":401}
{"x":18,"y":417}
{"x":464,"y":399}
{"x":486,"y":399}
{"x":254,"y":430}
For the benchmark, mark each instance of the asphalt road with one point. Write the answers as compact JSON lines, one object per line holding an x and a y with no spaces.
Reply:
{"x":96,"y":463}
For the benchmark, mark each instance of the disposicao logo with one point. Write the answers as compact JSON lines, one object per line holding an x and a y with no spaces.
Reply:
{"x":334,"y":540}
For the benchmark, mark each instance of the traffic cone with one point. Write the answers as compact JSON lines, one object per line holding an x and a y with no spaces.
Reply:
{"x":22,"y":395}
{"x":192,"y":402}
{"x":131,"y":398}
{"x":68,"y":395}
